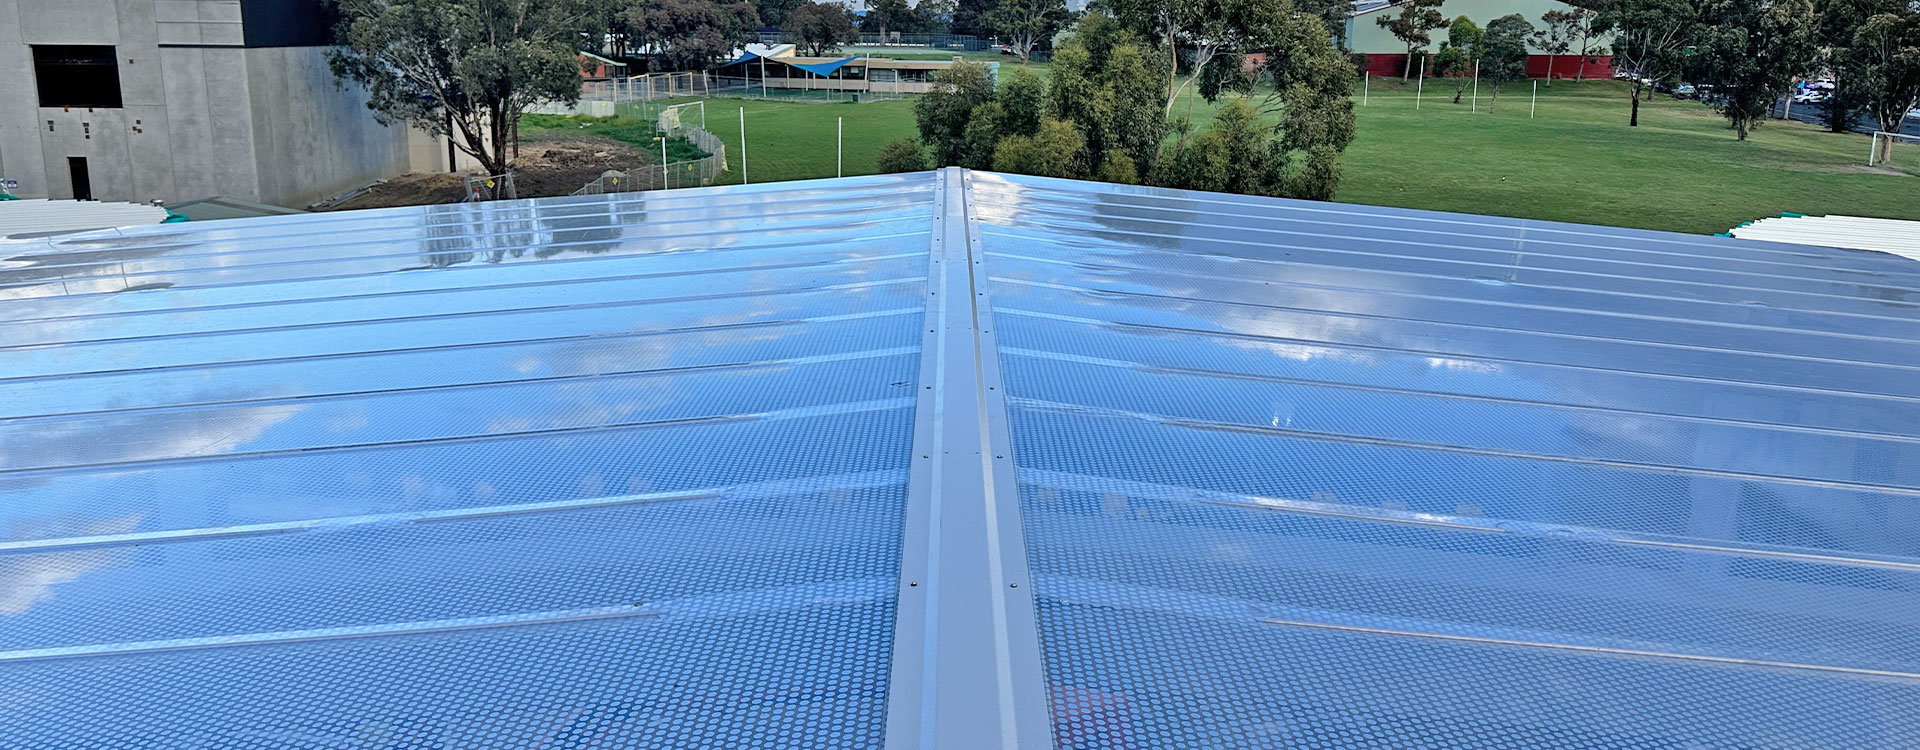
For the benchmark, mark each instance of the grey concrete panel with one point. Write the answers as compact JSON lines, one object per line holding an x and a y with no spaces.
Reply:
{"x":312,"y":137}
{"x":98,"y":135}
{"x":188,"y":126}
{"x":176,"y":10}
{"x":20,"y":157}
{"x":179,"y":32}
{"x":212,"y":32}
{"x":150,"y":151}
{"x":69,"y":22}
{"x":139,"y":59}
{"x":227,"y":11}
{"x":226,"y":90}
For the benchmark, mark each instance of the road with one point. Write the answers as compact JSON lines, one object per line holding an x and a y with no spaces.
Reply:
{"x":1815,"y":114}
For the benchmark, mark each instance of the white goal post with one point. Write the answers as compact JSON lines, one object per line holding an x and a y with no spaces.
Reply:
{"x":674,"y":119}
{"x":1881,"y":151}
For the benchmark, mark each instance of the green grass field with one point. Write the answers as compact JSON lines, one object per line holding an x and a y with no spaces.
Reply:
{"x":1576,"y":160}
{"x":635,"y":131}
{"x":1680,"y":169}
{"x":795,"y":141}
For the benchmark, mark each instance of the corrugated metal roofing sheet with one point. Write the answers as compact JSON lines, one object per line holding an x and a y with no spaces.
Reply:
{"x":954,"y":460}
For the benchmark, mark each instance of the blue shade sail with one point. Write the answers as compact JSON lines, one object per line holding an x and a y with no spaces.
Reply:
{"x":954,"y":460}
{"x":825,"y":68}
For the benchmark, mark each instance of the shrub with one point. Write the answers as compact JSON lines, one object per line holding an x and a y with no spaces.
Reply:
{"x":902,"y":156}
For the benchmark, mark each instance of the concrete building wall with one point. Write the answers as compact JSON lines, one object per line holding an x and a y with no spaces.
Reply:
{"x":201,"y":114}
{"x":20,"y":126}
{"x":313,"y":139}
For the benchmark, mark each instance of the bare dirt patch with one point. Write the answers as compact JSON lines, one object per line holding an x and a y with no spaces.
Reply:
{"x":548,"y":165}
{"x":1864,"y":169}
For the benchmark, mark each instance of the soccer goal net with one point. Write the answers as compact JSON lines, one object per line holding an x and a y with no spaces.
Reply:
{"x":1895,"y":150}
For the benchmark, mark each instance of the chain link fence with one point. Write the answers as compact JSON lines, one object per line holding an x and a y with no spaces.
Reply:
{"x":638,"y":96}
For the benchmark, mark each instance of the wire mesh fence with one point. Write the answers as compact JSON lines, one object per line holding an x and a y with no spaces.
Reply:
{"x":676,"y":122}
{"x":642,"y":96}
{"x":489,"y":187}
{"x":953,"y":42}
{"x":811,"y":89}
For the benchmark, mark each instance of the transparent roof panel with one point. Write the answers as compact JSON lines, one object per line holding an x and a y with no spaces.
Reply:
{"x":534,"y":474}
{"x":1317,"y":476}
{"x":954,"y":460}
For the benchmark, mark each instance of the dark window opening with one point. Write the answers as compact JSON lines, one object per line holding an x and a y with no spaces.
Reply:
{"x":288,"y":23}
{"x":82,"y":184}
{"x":76,"y":76}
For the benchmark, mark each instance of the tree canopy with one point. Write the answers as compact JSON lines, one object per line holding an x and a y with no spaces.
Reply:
{"x":774,"y":12}
{"x":1027,"y":23}
{"x":1412,"y":26}
{"x":1650,"y":40}
{"x":886,"y":17}
{"x":1885,"y":62}
{"x":1312,"y":80}
{"x":1101,"y":115}
{"x":902,"y":156}
{"x":942,"y":114}
{"x":820,"y":28}
{"x":1111,"y":86}
{"x":969,"y":17}
{"x":692,"y":34}
{"x":465,"y":69}
{"x":1835,"y":23}
{"x":1750,"y":51}
{"x":1332,"y":13}
{"x":1233,"y":155}
{"x":1556,"y":35}
{"x":1056,"y":149}
{"x":1464,"y":45}
{"x":1505,"y":60}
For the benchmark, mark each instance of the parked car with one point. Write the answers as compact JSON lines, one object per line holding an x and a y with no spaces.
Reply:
{"x":1811,"y":96}
{"x":1685,"y":91}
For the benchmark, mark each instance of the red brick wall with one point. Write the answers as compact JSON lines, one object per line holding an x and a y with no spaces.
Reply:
{"x":1564,"y":66}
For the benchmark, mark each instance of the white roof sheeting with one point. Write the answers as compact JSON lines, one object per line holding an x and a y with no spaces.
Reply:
{"x":1897,"y":236}
{"x":36,"y":217}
